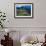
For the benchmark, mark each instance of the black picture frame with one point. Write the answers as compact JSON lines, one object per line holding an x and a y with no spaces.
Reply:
{"x":23,"y":10}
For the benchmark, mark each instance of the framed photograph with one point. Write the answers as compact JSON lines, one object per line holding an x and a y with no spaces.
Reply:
{"x":23,"y":9}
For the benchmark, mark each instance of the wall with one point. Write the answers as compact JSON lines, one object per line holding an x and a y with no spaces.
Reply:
{"x":38,"y":23}
{"x":39,"y":13}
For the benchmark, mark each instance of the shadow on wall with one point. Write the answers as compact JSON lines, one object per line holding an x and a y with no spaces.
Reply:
{"x":16,"y":43}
